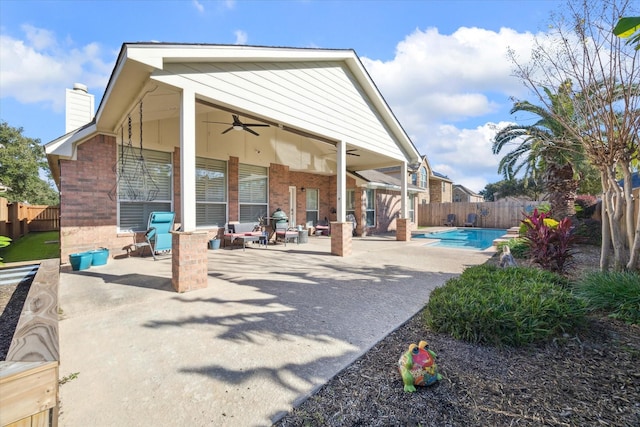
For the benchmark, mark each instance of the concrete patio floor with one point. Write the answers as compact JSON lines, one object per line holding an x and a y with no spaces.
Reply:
{"x":271,"y":327}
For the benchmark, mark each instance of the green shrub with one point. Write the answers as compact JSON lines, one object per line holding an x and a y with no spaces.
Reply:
{"x":617,"y":293}
{"x":519,"y":248}
{"x":503,"y":307}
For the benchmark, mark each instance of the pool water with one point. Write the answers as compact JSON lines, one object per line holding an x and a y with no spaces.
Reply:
{"x":464,"y":238}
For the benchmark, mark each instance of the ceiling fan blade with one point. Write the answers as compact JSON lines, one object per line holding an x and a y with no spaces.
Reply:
{"x":231,"y":128}
{"x":255,"y":125}
{"x":250,"y":130}
{"x":353,"y":154}
{"x":236,"y":119}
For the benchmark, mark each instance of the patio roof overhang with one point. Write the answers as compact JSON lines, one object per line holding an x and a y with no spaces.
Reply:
{"x":143,"y":68}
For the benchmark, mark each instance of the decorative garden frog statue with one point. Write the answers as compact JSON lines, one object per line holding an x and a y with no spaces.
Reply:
{"x":418,"y":367}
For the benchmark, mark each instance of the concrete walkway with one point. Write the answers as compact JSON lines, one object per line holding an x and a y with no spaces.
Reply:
{"x":273,"y":325}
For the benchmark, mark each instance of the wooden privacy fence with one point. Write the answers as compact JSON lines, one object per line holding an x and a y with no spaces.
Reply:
{"x":18,"y":219}
{"x":490,"y":214}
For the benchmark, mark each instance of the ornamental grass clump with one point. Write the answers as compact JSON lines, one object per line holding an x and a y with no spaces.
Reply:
{"x":616,"y":293}
{"x":504,"y":307}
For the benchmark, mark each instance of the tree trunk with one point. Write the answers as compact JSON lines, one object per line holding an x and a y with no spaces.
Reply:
{"x":616,"y":210}
{"x":563,"y":188}
{"x":634,"y":253}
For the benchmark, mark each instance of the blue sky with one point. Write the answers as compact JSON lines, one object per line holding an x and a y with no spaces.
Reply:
{"x":440,"y":64}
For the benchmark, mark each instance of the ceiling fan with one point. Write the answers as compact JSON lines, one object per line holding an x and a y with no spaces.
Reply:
{"x":238,"y":125}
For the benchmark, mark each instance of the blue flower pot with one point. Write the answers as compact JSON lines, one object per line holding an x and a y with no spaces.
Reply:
{"x":80,"y":261}
{"x":99,"y":256}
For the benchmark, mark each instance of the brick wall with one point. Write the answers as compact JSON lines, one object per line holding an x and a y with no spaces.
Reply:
{"x":278,"y":187}
{"x":88,"y":215}
{"x":326,"y":186}
{"x":233,"y":201}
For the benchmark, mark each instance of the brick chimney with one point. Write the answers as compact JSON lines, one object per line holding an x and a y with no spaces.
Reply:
{"x":79,"y":107}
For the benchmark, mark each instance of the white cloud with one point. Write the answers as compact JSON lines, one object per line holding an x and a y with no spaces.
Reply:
{"x":23,"y":65}
{"x":437,"y":80}
{"x":199,"y":6}
{"x":241,"y":37}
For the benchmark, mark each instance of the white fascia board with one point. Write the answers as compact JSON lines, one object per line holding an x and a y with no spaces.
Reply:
{"x":64,"y":146}
{"x":156,"y":55}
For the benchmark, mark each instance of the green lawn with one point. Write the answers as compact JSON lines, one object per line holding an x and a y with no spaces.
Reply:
{"x":32,"y":247}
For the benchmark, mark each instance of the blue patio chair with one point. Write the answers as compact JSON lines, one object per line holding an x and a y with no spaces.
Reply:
{"x":471,"y":220}
{"x":158,"y":237}
{"x":450,"y":221}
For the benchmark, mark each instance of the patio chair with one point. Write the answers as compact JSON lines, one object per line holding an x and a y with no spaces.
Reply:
{"x":451,"y":220}
{"x":285,"y":233}
{"x":471,"y":220}
{"x":157,"y":236}
{"x":352,"y":219}
{"x":324,"y":227}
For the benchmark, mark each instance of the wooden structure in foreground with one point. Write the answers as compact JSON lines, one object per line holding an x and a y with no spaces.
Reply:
{"x":29,"y":376}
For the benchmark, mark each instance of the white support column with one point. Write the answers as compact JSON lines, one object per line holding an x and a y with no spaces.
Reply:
{"x":188,"y":160}
{"x":341,"y":191}
{"x":403,"y":190}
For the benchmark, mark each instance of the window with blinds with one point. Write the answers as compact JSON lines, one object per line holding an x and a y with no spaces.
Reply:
{"x":253,"y":192}
{"x":371,"y":207}
{"x":412,"y":204}
{"x":134,"y":214}
{"x":211,"y":192}
{"x":312,"y":206}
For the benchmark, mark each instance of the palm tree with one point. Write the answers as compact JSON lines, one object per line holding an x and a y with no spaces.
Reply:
{"x":545,"y":150}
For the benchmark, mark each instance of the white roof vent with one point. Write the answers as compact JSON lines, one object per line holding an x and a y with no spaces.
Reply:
{"x":81,"y":87}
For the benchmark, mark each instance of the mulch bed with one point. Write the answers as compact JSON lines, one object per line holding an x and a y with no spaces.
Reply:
{"x":588,"y":379}
{"x":12,"y":298}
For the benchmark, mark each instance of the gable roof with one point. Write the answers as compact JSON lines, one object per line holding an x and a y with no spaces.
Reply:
{"x":465,"y":190}
{"x":325,"y":94}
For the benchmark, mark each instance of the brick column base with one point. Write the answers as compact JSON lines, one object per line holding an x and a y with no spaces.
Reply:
{"x":341,"y":235}
{"x":189,"y":261}
{"x":403,"y":229}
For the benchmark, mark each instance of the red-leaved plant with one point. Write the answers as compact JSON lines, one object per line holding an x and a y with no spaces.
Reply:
{"x":550,"y":244}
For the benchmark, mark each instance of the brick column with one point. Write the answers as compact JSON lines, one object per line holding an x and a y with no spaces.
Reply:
{"x":189,"y":261}
{"x":403,"y":229}
{"x":341,"y":235}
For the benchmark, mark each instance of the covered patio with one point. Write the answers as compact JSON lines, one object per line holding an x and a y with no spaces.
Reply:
{"x":271,"y":326}
{"x":271,"y":125}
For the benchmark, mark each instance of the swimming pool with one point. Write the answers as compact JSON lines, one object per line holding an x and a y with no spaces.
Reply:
{"x":464,"y":238}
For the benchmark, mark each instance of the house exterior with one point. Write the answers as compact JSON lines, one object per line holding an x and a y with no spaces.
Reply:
{"x":221,"y":133}
{"x":440,"y":188}
{"x":463,"y":194}
{"x":381,"y":202}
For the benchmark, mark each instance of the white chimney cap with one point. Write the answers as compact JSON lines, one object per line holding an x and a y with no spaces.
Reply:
{"x":80,"y":86}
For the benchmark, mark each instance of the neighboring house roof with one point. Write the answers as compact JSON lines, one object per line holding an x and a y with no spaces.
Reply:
{"x":322,"y":94}
{"x":440,"y":176}
{"x":635,"y":180}
{"x":465,"y":190}
{"x":378,"y":179}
